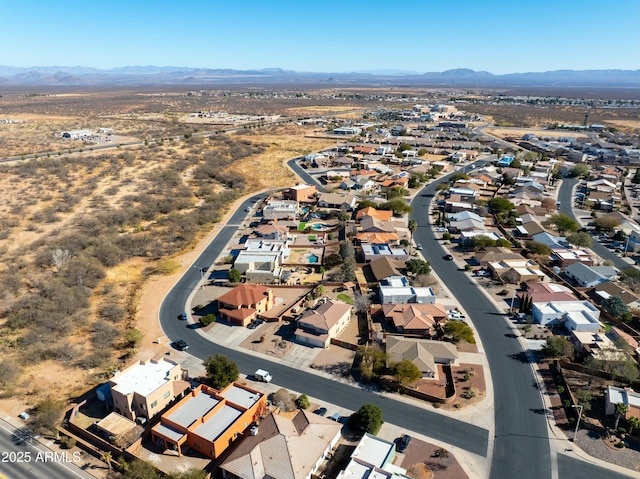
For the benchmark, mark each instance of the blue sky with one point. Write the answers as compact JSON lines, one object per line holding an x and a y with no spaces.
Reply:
{"x":503,"y":36}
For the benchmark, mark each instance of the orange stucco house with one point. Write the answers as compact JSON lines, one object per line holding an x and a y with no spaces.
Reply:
{"x":244,"y":303}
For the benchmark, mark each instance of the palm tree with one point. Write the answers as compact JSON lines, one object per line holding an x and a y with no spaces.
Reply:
{"x":413,"y":226}
{"x":106,"y":457}
{"x":621,"y":410}
{"x":633,"y":423}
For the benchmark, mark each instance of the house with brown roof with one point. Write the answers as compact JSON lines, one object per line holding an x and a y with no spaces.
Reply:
{"x":419,"y":319}
{"x":565,"y":257}
{"x":494,"y":254}
{"x":384,"y":267}
{"x":371,"y":224}
{"x":546,"y":292}
{"x":608,"y":289}
{"x":326,"y":320}
{"x":424,"y":353}
{"x":283,"y":447}
{"x":245,"y":303}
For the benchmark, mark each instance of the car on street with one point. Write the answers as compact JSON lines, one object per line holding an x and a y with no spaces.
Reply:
{"x":248,"y":208}
{"x":183,"y":316}
{"x":181,"y":345}
{"x":455,"y":314}
{"x":418,"y":246}
{"x":483,"y":273}
{"x":441,"y":229}
{"x":321,"y":411}
{"x":403,"y":443}
{"x":448,"y":257}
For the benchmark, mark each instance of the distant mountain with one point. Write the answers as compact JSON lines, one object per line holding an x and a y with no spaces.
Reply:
{"x":172,"y":75}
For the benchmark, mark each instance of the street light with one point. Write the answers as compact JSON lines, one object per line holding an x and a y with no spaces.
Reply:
{"x":575,"y":433}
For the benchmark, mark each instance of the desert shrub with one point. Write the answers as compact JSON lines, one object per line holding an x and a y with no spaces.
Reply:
{"x":207,"y":319}
{"x":284,"y":400}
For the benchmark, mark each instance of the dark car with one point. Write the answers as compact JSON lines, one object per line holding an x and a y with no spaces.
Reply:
{"x":253,"y":325}
{"x":448,"y":257}
{"x":403,"y":443}
{"x":322,"y":411}
{"x":181,"y":345}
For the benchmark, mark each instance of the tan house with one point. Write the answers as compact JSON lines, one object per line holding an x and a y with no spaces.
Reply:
{"x":317,"y":326}
{"x":146,"y":388}
{"x":301,"y":193}
{"x":414,"y":318}
{"x":284,"y":448}
{"x":245,"y":303}
{"x":384,"y":215}
{"x":424,"y":353}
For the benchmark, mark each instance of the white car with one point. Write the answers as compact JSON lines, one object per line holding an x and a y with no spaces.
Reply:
{"x":455,"y":314}
{"x":441,"y":229}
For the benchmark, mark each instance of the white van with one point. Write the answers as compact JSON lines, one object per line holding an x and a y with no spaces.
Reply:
{"x":262,"y":375}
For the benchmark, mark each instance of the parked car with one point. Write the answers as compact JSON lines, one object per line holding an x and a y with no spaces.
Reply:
{"x":448,"y":257}
{"x":24,"y":416}
{"x":252,"y":325}
{"x":183,"y":316}
{"x":335,"y":417}
{"x":418,"y":246}
{"x":321,"y":411}
{"x":455,"y":314}
{"x":181,"y":345}
{"x":441,"y":229}
{"x":403,"y":443}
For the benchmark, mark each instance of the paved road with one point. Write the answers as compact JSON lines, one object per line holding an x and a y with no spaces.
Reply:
{"x":34,"y":461}
{"x":566,"y":200}
{"x":575,"y":468}
{"x":521,"y":447}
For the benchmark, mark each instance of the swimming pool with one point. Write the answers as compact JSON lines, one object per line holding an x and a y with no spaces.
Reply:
{"x":313,"y":258}
{"x":320,"y":226}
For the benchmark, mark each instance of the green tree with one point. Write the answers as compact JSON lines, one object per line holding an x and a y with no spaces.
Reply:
{"x":500,"y":205}
{"x":458,"y":176}
{"x":221,"y":371}
{"x":579,"y":171}
{"x":417,"y":266}
{"x":620,"y":410}
{"x":189,"y":474}
{"x":557,"y":347}
{"x":503,"y":242}
{"x":606,"y":223}
{"x":398,"y":205}
{"x":140,"y":470}
{"x":564,"y":223}
{"x":372,"y":362}
{"x":615,"y":306}
{"x":406,"y":372}
{"x":106,"y":458}
{"x":537,"y":248}
{"x":303,"y":402}
{"x":631,"y":277}
{"x":47,"y":415}
{"x":234,"y":275}
{"x":367,"y":419}
{"x":584,"y":399}
{"x":580,"y":239}
{"x":480,"y":242}
{"x":632,"y":421}
{"x":459,"y":331}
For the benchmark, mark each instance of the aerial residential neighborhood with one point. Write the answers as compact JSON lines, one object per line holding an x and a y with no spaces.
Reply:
{"x":330,"y":242}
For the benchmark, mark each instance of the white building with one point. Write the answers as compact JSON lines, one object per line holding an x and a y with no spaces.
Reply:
{"x":574,"y":315}
{"x":396,"y":290}
{"x":281,"y":209}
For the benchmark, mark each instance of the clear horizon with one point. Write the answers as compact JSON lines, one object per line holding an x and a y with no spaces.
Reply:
{"x":497,"y":36}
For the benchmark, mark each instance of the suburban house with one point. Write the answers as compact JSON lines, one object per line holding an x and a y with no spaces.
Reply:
{"x":574,"y":315}
{"x":382,"y":215}
{"x":414,"y":318}
{"x":465,"y":221}
{"x":424,"y":353}
{"x":467,"y":236}
{"x":627,"y":396}
{"x":516,"y":270}
{"x":545,"y":292}
{"x":144,"y":389}
{"x":326,"y":320}
{"x":260,"y":266}
{"x":373,"y":251}
{"x":553,"y":242}
{"x":373,"y":458}
{"x":272,"y":230}
{"x":209,"y":421}
{"x":397,"y":290}
{"x":495,"y":254}
{"x":589,"y":276}
{"x":384,"y":267}
{"x":597,"y":345}
{"x":608,"y":289}
{"x":301,"y":193}
{"x":245,"y":303}
{"x":281,"y":209}
{"x":564,"y":257}
{"x":283,"y":448}
{"x":337,"y":201}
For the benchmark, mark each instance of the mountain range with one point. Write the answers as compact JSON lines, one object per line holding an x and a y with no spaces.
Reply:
{"x":171,"y":75}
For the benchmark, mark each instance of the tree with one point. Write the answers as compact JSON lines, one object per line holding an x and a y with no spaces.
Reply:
{"x":578,"y":171}
{"x":557,"y":347}
{"x":234,"y":275}
{"x":367,"y":419}
{"x":606,"y":223}
{"x":303,"y":402}
{"x":615,"y":306}
{"x":332,"y":260}
{"x":221,"y":371}
{"x":188,"y":474}
{"x":500,"y":205}
{"x":284,"y":400}
{"x":140,"y":470}
{"x":417,"y":266}
{"x":405,"y":372}
{"x":620,"y":410}
{"x":580,"y":239}
{"x":412,"y":226}
{"x":537,"y":248}
{"x":459,"y":331}
{"x":564,"y":222}
{"x":480,"y":242}
{"x":47,"y":415}
{"x":632,"y":421}
{"x":631,"y":277}
{"x":372,"y":361}
{"x":584,"y":399}
{"x":398,"y":205}
{"x":106,"y":458}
